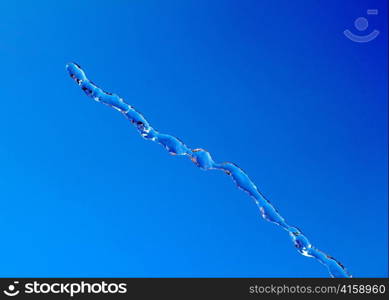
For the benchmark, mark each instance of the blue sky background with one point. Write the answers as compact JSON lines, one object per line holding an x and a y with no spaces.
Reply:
{"x":273,"y":86}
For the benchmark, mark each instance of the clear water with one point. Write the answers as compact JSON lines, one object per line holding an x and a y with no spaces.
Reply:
{"x":203,"y":159}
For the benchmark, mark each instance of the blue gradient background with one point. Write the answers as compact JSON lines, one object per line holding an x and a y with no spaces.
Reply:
{"x":273,"y":86}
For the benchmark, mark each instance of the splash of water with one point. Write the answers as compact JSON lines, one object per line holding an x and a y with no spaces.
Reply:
{"x":203,"y":159}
